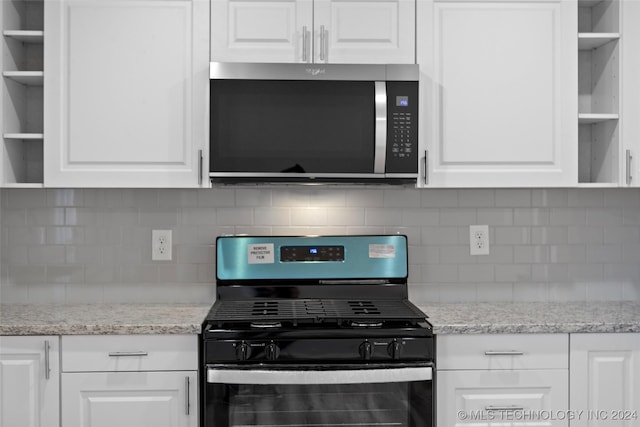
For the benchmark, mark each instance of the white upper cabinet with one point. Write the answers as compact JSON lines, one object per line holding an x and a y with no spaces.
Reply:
{"x":126,"y":93}
{"x":318,"y":31}
{"x":498,"y":93}
{"x":630,"y":35}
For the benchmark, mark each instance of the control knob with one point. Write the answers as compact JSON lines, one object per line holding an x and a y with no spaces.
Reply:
{"x":366,"y":350}
{"x":394,"y":349}
{"x":272,"y":351}
{"x":243,"y":351}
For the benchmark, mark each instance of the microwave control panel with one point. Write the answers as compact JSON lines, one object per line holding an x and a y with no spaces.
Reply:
{"x":402,"y":127}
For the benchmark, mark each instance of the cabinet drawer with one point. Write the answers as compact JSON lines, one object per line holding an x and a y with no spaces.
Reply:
{"x":86,"y":353}
{"x":511,"y":351}
{"x":518,"y":397}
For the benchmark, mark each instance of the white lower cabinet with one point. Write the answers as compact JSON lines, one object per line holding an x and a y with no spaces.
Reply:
{"x":506,"y":380}
{"x":129,"y":399}
{"x":130,"y":381}
{"x":29,"y":381}
{"x":605,"y":379}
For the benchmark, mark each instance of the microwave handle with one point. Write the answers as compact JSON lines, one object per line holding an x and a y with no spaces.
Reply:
{"x":380,"y":155}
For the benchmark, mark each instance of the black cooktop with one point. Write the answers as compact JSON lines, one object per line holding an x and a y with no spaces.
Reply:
{"x":315,"y":311}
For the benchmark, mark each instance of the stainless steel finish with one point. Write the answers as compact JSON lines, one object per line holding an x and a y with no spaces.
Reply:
{"x":47,"y":363}
{"x":200,"y":160}
{"x":267,"y":175}
{"x":504,"y":353}
{"x":266,"y":325}
{"x":629,"y":158}
{"x":425,"y":168}
{"x":187,"y":398}
{"x":322,"y":41}
{"x":260,"y":375}
{"x":366,"y":324}
{"x":128,"y":353}
{"x":503,"y":408}
{"x":380,"y":154}
{"x":304,"y":44}
{"x":298,"y":71}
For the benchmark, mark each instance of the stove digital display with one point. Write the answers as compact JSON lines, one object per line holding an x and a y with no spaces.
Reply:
{"x":311,"y":253}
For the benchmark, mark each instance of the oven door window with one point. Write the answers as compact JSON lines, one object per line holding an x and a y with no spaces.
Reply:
{"x":292,"y":126}
{"x":401,"y":403}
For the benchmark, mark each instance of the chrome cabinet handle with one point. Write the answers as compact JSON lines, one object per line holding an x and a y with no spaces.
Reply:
{"x":629,"y":157}
{"x":322,"y":41}
{"x":187,"y":399}
{"x":425,"y":169}
{"x":200,"y":167}
{"x":304,"y":44}
{"x":503,"y":408}
{"x":503,"y":353}
{"x":47,"y":363}
{"x":128,"y":353}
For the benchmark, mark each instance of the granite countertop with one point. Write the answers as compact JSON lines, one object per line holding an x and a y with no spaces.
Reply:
{"x":101,"y":319}
{"x":459,"y":318}
{"x":533,"y":317}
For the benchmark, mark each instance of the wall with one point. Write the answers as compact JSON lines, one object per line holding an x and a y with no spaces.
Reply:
{"x":93,"y":245}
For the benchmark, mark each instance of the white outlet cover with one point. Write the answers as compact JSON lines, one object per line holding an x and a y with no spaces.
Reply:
{"x":161,"y":245}
{"x":479,"y":239}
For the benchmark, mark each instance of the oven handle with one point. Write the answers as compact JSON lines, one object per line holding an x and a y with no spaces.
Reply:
{"x":303,"y":376}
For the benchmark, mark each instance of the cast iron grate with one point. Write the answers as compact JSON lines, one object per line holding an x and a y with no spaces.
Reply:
{"x":313,"y":310}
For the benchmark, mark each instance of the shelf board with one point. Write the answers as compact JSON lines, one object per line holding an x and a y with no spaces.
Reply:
{"x":28,"y":78}
{"x":26,"y":36}
{"x":598,"y":185}
{"x":23,"y":185}
{"x":588,"y":3}
{"x":24,"y":136}
{"x":590,"y":118}
{"x":588,"y":41}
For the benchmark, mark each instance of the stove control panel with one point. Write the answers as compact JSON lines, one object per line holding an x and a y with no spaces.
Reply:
{"x":284,"y":350}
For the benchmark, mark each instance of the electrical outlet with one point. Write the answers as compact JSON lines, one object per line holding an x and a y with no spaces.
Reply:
{"x":479,"y":239}
{"x":161,"y":245}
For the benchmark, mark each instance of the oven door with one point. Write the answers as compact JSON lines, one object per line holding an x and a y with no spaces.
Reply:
{"x":287,"y":396}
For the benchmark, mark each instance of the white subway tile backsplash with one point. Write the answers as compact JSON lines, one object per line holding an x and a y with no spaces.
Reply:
{"x":495,"y":216}
{"x":513,"y":273}
{"x":420,"y":217}
{"x":515,"y":198}
{"x":461,"y":216}
{"x":586,"y":197}
{"x":556,"y":198}
{"x":438,"y":198}
{"x":477,"y":198}
{"x":94,"y":245}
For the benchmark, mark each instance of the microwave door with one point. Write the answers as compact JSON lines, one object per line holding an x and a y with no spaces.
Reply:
{"x":297,"y":127}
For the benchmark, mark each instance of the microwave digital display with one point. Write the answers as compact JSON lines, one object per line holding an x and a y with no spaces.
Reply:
{"x":402,"y":101}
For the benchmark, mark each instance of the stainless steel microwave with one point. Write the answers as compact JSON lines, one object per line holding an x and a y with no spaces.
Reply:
{"x":309,"y":123}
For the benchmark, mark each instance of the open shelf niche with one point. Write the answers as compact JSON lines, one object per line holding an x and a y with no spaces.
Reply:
{"x":22,"y":93}
{"x":598,"y":87}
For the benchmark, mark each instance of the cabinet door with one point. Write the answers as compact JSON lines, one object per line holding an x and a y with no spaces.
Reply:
{"x":605,"y":379}
{"x":130,"y":399}
{"x":126,"y":93}
{"x":261,"y":31}
{"x":630,"y":88}
{"x":499,"y":84}
{"x":505,"y":398}
{"x":365,"y":32}
{"x":29,"y":381}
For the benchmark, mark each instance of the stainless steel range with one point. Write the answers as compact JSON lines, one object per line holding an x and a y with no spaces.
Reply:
{"x":315,"y":331}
